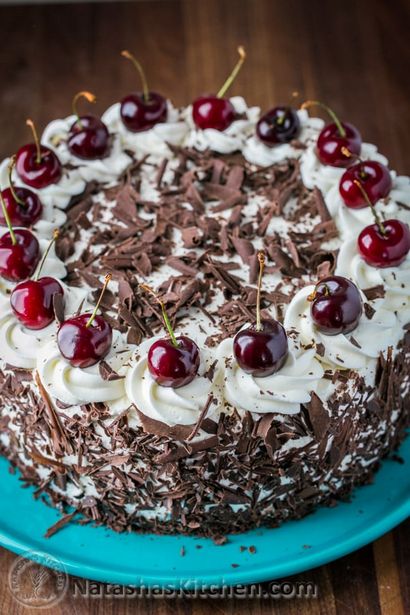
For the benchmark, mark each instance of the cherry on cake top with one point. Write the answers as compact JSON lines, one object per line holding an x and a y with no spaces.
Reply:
{"x":385,"y":243}
{"x":372,"y":175}
{"x":86,"y":339}
{"x":338,"y":141}
{"x":88,"y":137}
{"x":173,"y":361}
{"x":277,"y":126}
{"x":19,"y":251}
{"x":32,"y":301}
{"x":335,"y":305}
{"x":142,"y":110}
{"x":216,"y":111}
{"x":23,"y":206}
{"x":37,"y":165}
{"x":261,"y":349}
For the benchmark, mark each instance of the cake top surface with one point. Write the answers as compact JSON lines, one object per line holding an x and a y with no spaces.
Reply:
{"x":186,"y":211}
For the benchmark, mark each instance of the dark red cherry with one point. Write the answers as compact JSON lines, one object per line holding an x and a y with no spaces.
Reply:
{"x":173,"y":366}
{"x":89,"y":138}
{"x":217,"y":111}
{"x":84,"y":344}
{"x":261,"y":352}
{"x":338,"y":143}
{"x":38,"y":173}
{"x":19,"y":255}
{"x":336,"y":305}
{"x":385,"y":249}
{"x":142,"y":110}
{"x":25,"y":211}
{"x":212,"y":112}
{"x":32,"y":302}
{"x":375,"y":179}
{"x":139,"y":114}
{"x":331,"y":144}
{"x":37,"y":165}
{"x":279,"y":125}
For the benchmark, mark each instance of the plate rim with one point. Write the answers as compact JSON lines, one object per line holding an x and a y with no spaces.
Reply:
{"x":307,"y":560}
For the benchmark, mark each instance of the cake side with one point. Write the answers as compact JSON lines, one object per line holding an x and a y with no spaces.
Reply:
{"x":246,"y":472}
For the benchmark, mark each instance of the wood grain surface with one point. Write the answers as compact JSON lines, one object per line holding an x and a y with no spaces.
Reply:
{"x":354,"y":55}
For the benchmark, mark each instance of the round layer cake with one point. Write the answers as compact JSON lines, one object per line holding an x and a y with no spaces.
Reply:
{"x":187,"y":210}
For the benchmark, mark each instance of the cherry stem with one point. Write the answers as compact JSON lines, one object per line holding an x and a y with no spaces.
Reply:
{"x":46,"y":253}
{"x":312,"y":296}
{"x":373,"y":209}
{"x":129,"y":56}
{"x":165,"y":316}
{"x":261,"y":259}
{"x":346,"y":152}
{"x":31,"y":125}
{"x":12,"y":190}
{"x":7,"y":219}
{"x":107,"y":280}
{"x":313,"y":103}
{"x":84,"y":94}
{"x":234,"y":73}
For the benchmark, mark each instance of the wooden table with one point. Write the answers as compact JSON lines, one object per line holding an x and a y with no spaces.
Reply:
{"x":352,"y":55}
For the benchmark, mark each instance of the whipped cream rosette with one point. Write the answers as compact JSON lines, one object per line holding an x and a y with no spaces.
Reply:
{"x":20,"y":346}
{"x":105,"y":170}
{"x":52,"y":216}
{"x":395,"y":281}
{"x":152,"y":142}
{"x":172,"y":406}
{"x":256,"y":152}
{"x":226,"y":141}
{"x":350,"y":221}
{"x":282,"y":392}
{"x":358,"y":349}
{"x":325,"y":177}
{"x":75,"y":386}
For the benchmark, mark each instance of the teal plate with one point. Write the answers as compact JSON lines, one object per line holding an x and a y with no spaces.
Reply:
{"x":102,"y":555}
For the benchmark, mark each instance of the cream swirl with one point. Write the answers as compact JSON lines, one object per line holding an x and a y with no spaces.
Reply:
{"x":283,"y":392}
{"x":395,"y":280}
{"x":226,"y":141}
{"x":75,"y":386}
{"x":351,"y":221}
{"x":20,"y":346}
{"x":256,"y":152}
{"x":356,"y":350}
{"x":152,"y":142}
{"x":105,"y":170}
{"x":51,"y":217}
{"x":179,"y":406}
{"x":58,"y":195}
{"x":323,"y":176}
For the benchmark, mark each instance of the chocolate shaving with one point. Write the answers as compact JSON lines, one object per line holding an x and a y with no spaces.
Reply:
{"x":107,"y":373}
{"x":58,"y":307}
{"x":60,"y":441}
{"x":321,"y":205}
{"x":319,"y":418}
{"x":376,"y":292}
{"x":369,"y":310}
{"x":201,"y":417}
{"x":59,"y":524}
